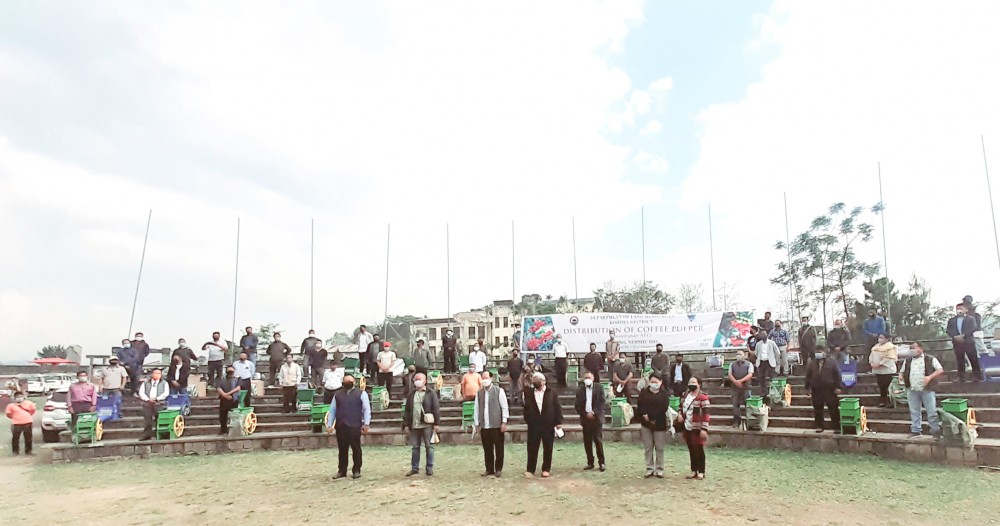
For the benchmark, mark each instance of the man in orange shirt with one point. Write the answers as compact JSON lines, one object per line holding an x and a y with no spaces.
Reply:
{"x":471,"y":383}
{"x":20,"y":413}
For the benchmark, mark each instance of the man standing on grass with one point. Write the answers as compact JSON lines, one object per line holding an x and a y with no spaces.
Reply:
{"x":590,"y":406}
{"x":823,"y":383}
{"x":490,"y":418}
{"x":21,"y":414}
{"x":276,"y":352}
{"x":289,"y":376}
{"x":245,"y":370}
{"x":740,"y":375}
{"x":217,"y":349}
{"x":248,"y":344}
{"x":82,"y":397}
{"x":422,"y":415}
{"x":543,"y":415}
{"x":152,"y":393}
{"x":229,"y":397}
{"x":349,"y":416}
{"x":919,"y":374}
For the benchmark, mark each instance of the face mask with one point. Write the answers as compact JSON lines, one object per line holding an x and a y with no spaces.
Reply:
{"x":621,"y":360}
{"x":183,"y":345}
{"x":692,"y":387}
{"x":418,"y":383}
{"x":487,"y":383}
{"x":81,"y":379}
{"x":18,"y":399}
{"x":538,"y":385}
{"x":476,"y":349}
{"x":820,"y":356}
{"x":138,"y":338}
{"x":348,"y":385}
{"x":126,"y":345}
{"x":113,"y":364}
{"x":588,"y":382}
{"x":659,"y":351}
{"x":654,"y":387}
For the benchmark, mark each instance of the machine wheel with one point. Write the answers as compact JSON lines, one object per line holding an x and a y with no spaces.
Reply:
{"x":362,"y":383}
{"x":186,"y":410}
{"x":788,"y":395}
{"x":970,"y":421}
{"x":863,"y":424}
{"x":249,"y":423}
{"x":98,"y":431}
{"x":178,"y":426}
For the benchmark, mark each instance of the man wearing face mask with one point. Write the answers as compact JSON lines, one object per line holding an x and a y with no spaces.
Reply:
{"x":21,"y":414}
{"x":245,"y":370}
{"x":780,"y":338}
{"x":276,"y":352}
{"x":248,"y":343}
{"x":82,"y":397}
{"x":229,"y":397}
{"x":767,"y":360}
{"x":126,"y":355}
{"x":678,"y":377}
{"x":543,"y":415}
{"x":217,"y":349}
{"x":349,"y":416}
{"x":652,"y":414}
{"x":422,"y":357}
{"x":141,"y":349}
{"x":185,"y":353}
{"x":589,"y":405}
{"x":470,"y":384}
{"x":515,"y":368}
{"x":740,"y":375}
{"x":177,"y":375}
{"x":152,"y":393}
{"x":375,"y":347}
{"x":611,"y":350}
{"x":289,"y":376}
{"x":660,"y":362}
{"x":114,"y":379}
{"x":560,"y":351}
{"x":365,"y":340}
{"x":823,"y":382}
{"x":593,"y":362}
{"x":490,"y":418}
{"x":449,"y":343}
{"x":422,"y":415}
{"x":837,"y":341}
{"x":621,"y":376}
{"x":478,"y":358}
{"x":529,"y":369}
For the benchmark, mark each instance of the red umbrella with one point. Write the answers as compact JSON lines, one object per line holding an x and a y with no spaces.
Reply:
{"x":52,"y":361}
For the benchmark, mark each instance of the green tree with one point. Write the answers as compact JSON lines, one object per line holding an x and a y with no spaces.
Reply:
{"x":913,"y":315}
{"x":640,"y":298}
{"x":52,"y":351}
{"x":339,"y":338}
{"x":690,"y":298}
{"x":265,"y":335}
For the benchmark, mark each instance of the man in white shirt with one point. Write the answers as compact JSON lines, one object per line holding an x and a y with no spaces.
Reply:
{"x":478,"y":358}
{"x":767,"y":361}
{"x":919,"y":375}
{"x":365,"y":340}
{"x":490,"y":418}
{"x":289,"y":376}
{"x":245,"y":370}
{"x":152,"y":393}
{"x":560,"y":351}
{"x":385,"y":360}
{"x":333,"y":379}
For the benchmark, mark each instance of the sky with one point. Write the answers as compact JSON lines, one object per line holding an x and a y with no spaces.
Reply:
{"x":435,"y":125}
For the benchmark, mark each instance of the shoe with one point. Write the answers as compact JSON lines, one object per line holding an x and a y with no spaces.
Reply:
{"x":659,"y":475}
{"x":486,"y":474}
{"x":819,"y":430}
{"x":143,"y":439}
{"x":648,"y":475}
{"x":736,"y":425}
{"x":603,"y":468}
{"x":882,"y":404}
{"x":355,"y":475}
{"x":529,"y":475}
{"x":412,"y":472}
{"x":546,"y":474}
{"x":915,"y":435}
{"x":692,"y":476}
{"x":589,"y":467}
{"x":498,"y":474}
{"x":339,"y":476}
{"x":936,"y":436}
{"x":701,"y":476}
{"x":429,"y":474}
{"x":837,"y":432}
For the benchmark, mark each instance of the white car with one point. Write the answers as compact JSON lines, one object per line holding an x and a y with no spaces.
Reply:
{"x":55,"y":415}
{"x":35,"y":383}
{"x":56,"y":381}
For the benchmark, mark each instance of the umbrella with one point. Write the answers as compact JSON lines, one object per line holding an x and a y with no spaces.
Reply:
{"x":52,"y":361}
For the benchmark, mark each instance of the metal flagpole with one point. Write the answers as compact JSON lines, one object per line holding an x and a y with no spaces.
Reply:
{"x":385,"y":315}
{"x":576,"y":289}
{"x":885,"y":254}
{"x":447,"y":251}
{"x":788,"y":251}
{"x":142,"y":261}
{"x":513,"y":284}
{"x":312,"y":273}
{"x":236,"y":283}
{"x":989,"y":189}
{"x":645,"y":293}
{"x":711,"y":253}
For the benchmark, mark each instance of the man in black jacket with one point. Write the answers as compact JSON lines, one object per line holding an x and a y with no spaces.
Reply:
{"x":590,"y":406}
{"x":837,"y":341}
{"x":679,"y":375}
{"x":276,"y":352}
{"x":960,"y":329}
{"x":807,"y":340}
{"x":823,"y":382}
{"x":594,"y":362}
{"x":514,"y":368}
{"x":543,"y":416}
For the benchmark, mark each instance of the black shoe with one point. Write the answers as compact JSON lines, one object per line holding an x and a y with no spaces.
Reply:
{"x":486,"y":474}
{"x":355,"y":475}
{"x":603,"y":468}
{"x":837,"y":432}
{"x":915,"y":435}
{"x":339,"y":476}
{"x":143,"y":439}
{"x":589,"y":467}
{"x":819,"y":430}
{"x":498,"y":474}
{"x":412,"y":472}
{"x":429,"y":474}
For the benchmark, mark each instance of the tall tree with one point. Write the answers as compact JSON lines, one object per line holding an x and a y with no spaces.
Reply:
{"x":339,"y":338}
{"x":728,"y":297}
{"x":690,"y":298}
{"x":265,"y":334}
{"x":914,"y":317}
{"x":644,"y":298}
{"x":52,"y":351}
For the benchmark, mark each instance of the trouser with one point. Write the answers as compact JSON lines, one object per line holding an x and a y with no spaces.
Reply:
{"x":214,"y":372}
{"x":696,"y":450}
{"x":561,"y":371}
{"x":783,"y":360}
{"x":79,"y":407}
{"x":133,"y":376}
{"x":17,"y":431}
{"x":967,"y":350}
{"x":372,"y":368}
{"x":764,"y":374}
{"x":416,"y":438}
{"x":640,"y":361}
{"x":653,"y":442}
{"x":493,"y":447}
{"x":274,"y":366}
{"x":149,"y":413}
{"x":824,"y":396}
{"x":179,"y":389}
{"x":597,"y":374}
{"x":246,"y":385}
{"x":540,"y":437}
{"x":288,"y":398}
{"x":348,"y":438}
{"x":624,"y":393}
{"x":224,"y":407}
{"x":807,"y":355}
{"x":884,"y":380}
{"x":593,"y":435}
{"x":450,"y":365}
{"x":114,"y":394}
{"x":328,"y":395}
{"x":923,"y":400}
{"x":515,"y":387}
{"x":739,"y":397}
{"x":362,"y":362}
{"x":316,"y":374}
{"x":385,"y":380}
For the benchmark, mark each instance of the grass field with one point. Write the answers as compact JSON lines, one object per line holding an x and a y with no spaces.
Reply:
{"x":742,"y":487}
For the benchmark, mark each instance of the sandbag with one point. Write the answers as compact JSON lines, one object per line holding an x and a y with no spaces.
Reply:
{"x":776,"y":395}
{"x":671,"y":417}
{"x":955,"y":431}
{"x":897,"y":392}
{"x":757,"y":417}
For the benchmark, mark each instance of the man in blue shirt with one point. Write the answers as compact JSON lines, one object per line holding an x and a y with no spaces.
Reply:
{"x":349,"y":416}
{"x":248,"y":343}
{"x":873,"y":326}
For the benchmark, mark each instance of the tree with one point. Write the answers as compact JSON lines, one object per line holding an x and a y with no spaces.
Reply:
{"x":913,"y":316}
{"x":265,"y":334}
{"x":339,"y":338}
{"x":533,"y":305}
{"x":640,"y":298}
{"x":52,"y":351}
{"x":728,"y":297}
{"x":690,"y":298}
{"x":823,"y":259}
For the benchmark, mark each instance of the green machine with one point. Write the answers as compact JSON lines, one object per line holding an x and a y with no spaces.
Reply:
{"x":853,"y":418}
{"x":573,"y":375}
{"x":463,"y":361}
{"x":317,"y":417}
{"x":242,"y":420}
{"x":468,"y":415}
{"x":304,"y":400}
{"x":379,"y":398}
{"x":756,"y":415}
{"x":621,"y":412}
{"x":169,"y":424}
{"x":89,"y":428}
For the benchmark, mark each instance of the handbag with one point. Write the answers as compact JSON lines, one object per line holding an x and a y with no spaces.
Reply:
{"x":435,"y":439}
{"x":428,"y":418}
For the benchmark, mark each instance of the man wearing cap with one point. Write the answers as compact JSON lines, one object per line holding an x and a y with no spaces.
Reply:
{"x":113,"y":379}
{"x":543,"y":415}
{"x":349,"y":416}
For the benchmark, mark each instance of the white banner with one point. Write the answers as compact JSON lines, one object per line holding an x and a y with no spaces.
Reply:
{"x":637,"y":332}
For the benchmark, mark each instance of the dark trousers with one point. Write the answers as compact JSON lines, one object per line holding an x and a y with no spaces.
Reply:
{"x":883,"y":385}
{"x":696,"y":450}
{"x":561,"y":364}
{"x":246,"y":387}
{"x":288,"y":398}
{"x":78,"y":407}
{"x":450,"y":365}
{"x":738,"y":397}
{"x":420,"y":369}
{"x":593,"y":435}
{"x":224,"y":407}
{"x":274,"y":366}
{"x":17,"y":431}
{"x":540,"y":437}
{"x":493,"y":441}
{"x":348,"y":438}
{"x":133,"y":376}
{"x":967,"y":350}
{"x":596,"y":373}
{"x":825,"y":397}
{"x":764,"y":375}
{"x":328,"y":395}
{"x":214,"y":372}
{"x":149,"y":412}
{"x":362,"y":361}
{"x":385,"y":379}
{"x":515,"y":388}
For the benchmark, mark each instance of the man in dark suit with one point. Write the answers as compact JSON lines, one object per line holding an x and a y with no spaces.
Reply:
{"x":823,"y":382}
{"x":680,"y":373}
{"x":590,"y":406}
{"x":960,"y":329}
{"x":543,"y":416}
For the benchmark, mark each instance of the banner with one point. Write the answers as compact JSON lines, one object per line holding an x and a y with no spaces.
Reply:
{"x":637,"y":332}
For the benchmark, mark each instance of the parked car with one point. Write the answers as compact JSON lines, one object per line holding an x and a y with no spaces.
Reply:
{"x":55,"y":415}
{"x":35,"y":383}
{"x":56,"y":381}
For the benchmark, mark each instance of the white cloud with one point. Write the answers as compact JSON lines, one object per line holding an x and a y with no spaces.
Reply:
{"x":652,"y":127}
{"x":650,"y":162}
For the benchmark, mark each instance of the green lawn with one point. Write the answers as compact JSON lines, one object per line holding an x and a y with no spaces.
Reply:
{"x":295,"y":487}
